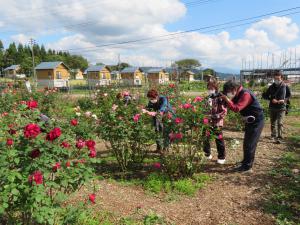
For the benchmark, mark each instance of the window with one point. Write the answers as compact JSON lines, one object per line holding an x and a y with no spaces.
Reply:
{"x":58,"y":75}
{"x":103,"y":76}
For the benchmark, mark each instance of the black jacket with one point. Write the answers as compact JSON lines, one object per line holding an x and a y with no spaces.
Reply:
{"x":278,"y":92}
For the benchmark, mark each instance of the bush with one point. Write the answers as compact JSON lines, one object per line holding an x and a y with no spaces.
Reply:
{"x":40,"y":165}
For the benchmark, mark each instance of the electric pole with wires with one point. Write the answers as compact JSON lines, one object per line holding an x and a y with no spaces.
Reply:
{"x":32,"y":43}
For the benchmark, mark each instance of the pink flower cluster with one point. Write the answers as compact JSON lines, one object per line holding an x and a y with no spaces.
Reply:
{"x":175,"y":136}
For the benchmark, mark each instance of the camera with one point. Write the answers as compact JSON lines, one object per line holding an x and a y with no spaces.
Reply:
{"x":216,"y":95}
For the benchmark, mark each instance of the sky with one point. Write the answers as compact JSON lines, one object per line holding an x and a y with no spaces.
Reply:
{"x":93,"y":28}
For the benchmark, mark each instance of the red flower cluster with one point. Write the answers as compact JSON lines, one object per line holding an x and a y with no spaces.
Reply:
{"x":187,"y":106}
{"x":9,"y":142}
{"x":175,"y":136}
{"x":32,"y":130}
{"x":205,"y":121}
{"x":157,"y":165}
{"x":53,"y":134}
{"x":32,"y":104}
{"x":35,"y":154}
{"x":37,"y":177}
{"x":136,"y":118}
{"x":92,"y":198}
{"x":172,"y":85}
{"x":65,"y":144}
{"x":74,"y":122}
{"x":80,"y":144}
{"x":91,"y":146}
{"x":198,"y":99}
{"x":178,"y":120}
{"x":56,"y":167}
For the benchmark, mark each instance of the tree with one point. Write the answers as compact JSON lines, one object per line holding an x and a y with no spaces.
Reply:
{"x":1,"y":56}
{"x":187,"y":64}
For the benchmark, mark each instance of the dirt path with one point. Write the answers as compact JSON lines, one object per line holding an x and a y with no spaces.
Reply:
{"x":232,"y":198}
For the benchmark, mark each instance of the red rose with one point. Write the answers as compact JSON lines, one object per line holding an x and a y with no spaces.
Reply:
{"x":207,"y":133}
{"x":5,"y":114}
{"x":90,"y":144}
{"x":172,"y":85}
{"x":12,"y":131}
{"x":205,"y":121}
{"x":93,"y":154}
{"x":37,"y":177}
{"x":74,"y":122}
{"x":65,"y":144}
{"x":32,"y":104}
{"x":92,"y":198}
{"x":198,"y":99}
{"x":54,"y":134}
{"x":220,"y":136}
{"x":56,"y":167}
{"x":35,"y":153}
{"x":178,"y":120}
{"x":32,"y":130}
{"x":9,"y":142}
{"x":68,"y":164}
{"x":80,"y":144}
{"x":157,"y":165}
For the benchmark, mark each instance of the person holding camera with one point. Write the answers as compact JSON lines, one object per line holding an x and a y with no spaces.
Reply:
{"x":278,"y":94}
{"x":217,"y":110}
{"x":243,"y":101}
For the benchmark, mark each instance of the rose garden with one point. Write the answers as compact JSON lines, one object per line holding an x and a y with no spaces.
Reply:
{"x":54,"y":150}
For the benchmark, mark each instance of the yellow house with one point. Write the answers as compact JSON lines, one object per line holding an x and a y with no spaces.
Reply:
{"x":98,"y":75}
{"x":132,"y":76}
{"x":12,"y":71}
{"x":52,"y":74}
{"x":157,"y":75}
{"x":77,"y":74}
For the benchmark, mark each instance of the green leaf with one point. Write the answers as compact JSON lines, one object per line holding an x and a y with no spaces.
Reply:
{"x":15,"y":191}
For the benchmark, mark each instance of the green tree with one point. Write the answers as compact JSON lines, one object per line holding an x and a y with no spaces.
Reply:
{"x":187,"y":64}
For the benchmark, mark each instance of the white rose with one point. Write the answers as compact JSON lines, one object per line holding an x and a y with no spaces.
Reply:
{"x":78,"y":114}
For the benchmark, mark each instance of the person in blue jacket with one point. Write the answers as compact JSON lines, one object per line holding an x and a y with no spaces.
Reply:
{"x":158,"y":105}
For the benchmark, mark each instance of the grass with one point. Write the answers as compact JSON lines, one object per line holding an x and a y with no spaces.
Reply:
{"x":285,"y":191}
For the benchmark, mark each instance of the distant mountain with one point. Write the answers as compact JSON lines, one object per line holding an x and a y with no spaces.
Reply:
{"x":226,"y":70}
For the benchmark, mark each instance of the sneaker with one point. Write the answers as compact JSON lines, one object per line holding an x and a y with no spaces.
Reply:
{"x":221,"y":161}
{"x":209,"y":157}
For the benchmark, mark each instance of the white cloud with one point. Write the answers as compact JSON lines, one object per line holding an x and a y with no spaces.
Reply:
{"x":110,"y":21}
{"x":281,"y":28}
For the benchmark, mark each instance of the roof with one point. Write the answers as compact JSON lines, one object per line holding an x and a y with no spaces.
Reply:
{"x":130,"y":69}
{"x":115,"y":72}
{"x":152,"y":69}
{"x":96,"y":68}
{"x":12,"y":67}
{"x":49,"y":65}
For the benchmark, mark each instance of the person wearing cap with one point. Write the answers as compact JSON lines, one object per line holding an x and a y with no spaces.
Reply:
{"x":242,"y":101}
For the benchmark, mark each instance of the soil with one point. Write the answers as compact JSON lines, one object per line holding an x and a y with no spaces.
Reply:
{"x":231,"y":198}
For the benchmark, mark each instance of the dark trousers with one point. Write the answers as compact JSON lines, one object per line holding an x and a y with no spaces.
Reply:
{"x":219,"y":142}
{"x":276,"y":117}
{"x":251,"y":138}
{"x":163,"y":141}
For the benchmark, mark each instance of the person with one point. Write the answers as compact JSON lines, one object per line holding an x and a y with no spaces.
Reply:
{"x":243,"y":101}
{"x":124,"y":97}
{"x":157,"y":106}
{"x":278,"y":94}
{"x":28,"y":85}
{"x":217,"y":111}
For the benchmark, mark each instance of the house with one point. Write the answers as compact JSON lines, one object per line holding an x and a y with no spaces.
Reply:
{"x":115,"y":77}
{"x":133,"y":76}
{"x":187,"y":75}
{"x":52,"y":74}
{"x":12,"y":71}
{"x":98,"y":75}
{"x":156,"y":75}
{"x":77,"y":74}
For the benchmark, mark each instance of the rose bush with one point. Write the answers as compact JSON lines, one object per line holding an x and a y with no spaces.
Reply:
{"x":40,"y":164}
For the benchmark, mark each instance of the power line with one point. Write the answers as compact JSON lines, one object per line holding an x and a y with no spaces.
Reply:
{"x":187,"y":31}
{"x":170,"y":38}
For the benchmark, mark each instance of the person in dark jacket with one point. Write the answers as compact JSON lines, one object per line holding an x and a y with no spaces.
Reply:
{"x":158,"y":105}
{"x":243,"y":101}
{"x":278,"y":94}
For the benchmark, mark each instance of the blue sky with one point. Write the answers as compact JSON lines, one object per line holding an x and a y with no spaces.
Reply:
{"x":113,"y":21}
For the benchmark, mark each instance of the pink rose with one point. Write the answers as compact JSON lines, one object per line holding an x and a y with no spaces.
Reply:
{"x":220,"y":136}
{"x":157,"y":165}
{"x":198,"y":99}
{"x":56,"y":167}
{"x":93,"y":154}
{"x":80,"y":144}
{"x":205,"y":121}
{"x":9,"y":142}
{"x":178,"y":120}
{"x":136,"y":118}
{"x":92,"y":198}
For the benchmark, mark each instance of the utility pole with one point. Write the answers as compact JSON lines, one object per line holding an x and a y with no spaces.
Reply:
{"x":32,"y":43}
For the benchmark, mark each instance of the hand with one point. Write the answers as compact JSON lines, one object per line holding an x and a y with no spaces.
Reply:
{"x":224,"y":97}
{"x":145,"y":111}
{"x":274,"y":101}
{"x":281,"y":102}
{"x":161,"y":113}
{"x":151,"y":113}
